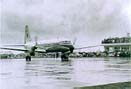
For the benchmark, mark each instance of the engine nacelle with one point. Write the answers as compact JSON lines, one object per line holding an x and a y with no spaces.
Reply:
{"x":32,"y":51}
{"x":71,"y":50}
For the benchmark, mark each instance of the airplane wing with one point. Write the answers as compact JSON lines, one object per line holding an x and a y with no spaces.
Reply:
{"x":22,"y":49}
{"x":87,"y":47}
{"x":110,"y":44}
{"x":16,"y":49}
{"x":13,"y":45}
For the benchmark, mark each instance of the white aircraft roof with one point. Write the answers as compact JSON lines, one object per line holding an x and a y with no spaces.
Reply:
{"x":48,"y":41}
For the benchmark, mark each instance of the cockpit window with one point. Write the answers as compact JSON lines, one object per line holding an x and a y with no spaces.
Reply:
{"x":66,"y":42}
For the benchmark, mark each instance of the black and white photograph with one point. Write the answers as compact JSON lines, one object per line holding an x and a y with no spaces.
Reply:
{"x":65,"y":44}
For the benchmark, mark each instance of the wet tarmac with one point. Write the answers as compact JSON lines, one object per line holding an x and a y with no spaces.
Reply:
{"x":51,"y":73}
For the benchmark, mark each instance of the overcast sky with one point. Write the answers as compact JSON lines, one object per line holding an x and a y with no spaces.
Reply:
{"x":90,"y":21}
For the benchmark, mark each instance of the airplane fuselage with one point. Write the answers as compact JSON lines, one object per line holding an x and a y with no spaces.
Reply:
{"x":61,"y":46}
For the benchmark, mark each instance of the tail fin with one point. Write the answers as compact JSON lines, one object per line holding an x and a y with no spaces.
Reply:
{"x":27,"y":37}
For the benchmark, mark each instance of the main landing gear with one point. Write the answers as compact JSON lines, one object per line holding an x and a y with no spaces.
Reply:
{"x":64,"y":57}
{"x":28,"y":58}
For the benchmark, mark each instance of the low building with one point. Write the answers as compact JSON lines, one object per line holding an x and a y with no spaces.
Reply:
{"x":118,"y":50}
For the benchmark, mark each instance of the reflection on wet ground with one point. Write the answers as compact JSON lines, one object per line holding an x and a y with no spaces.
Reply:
{"x":49,"y":73}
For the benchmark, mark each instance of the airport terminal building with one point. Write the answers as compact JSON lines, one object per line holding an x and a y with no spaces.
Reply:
{"x":118,"y":50}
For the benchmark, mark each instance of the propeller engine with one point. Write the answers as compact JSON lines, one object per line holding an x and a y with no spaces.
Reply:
{"x":32,"y":47}
{"x":32,"y":51}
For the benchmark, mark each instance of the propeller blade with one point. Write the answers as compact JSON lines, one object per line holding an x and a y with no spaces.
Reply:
{"x":74,"y":41}
{"x":36,"y":40}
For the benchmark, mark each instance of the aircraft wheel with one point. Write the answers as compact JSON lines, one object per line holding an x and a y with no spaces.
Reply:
{"x":64,"y":58}
{"x":28,"y":58}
